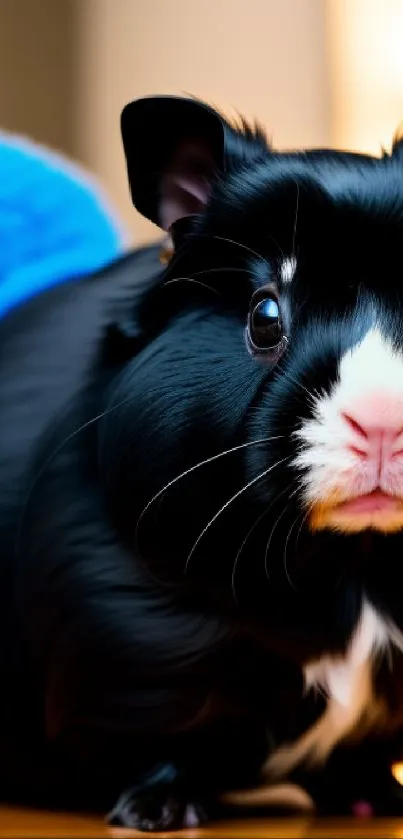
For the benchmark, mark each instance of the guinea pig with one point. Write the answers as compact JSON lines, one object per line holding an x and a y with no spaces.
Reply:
{"x":201,"y":495}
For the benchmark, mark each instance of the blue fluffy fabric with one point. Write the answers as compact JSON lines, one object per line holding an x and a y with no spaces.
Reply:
{"x":54,"y":222}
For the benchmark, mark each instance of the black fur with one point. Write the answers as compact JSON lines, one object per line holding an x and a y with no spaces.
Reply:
{"x":134,"y":655}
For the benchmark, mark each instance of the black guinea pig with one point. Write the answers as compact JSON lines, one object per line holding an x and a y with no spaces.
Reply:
{"x":201,"y":495}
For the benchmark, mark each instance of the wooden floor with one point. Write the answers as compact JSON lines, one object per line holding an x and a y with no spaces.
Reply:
{"x":20,"y":824}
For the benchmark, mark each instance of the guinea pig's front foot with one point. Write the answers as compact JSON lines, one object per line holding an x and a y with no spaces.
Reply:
{"x":157,"y":811}
{"x":161,"y":804}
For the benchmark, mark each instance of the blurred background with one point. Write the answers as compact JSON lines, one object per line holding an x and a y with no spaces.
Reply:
{"x":314,"y":72}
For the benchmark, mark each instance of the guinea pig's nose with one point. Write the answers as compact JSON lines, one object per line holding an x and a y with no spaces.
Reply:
{"x":375,"y":428}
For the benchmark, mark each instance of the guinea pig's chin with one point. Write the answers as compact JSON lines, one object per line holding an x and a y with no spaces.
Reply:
{"x":374,"y":511}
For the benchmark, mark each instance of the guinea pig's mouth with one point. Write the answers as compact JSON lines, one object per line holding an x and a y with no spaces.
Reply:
{"x":376,"y":510}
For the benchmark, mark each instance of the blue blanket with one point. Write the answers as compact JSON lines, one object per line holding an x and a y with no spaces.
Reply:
{"x":55,"y":224}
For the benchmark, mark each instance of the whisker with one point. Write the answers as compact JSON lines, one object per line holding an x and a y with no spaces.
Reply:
{"x":191,"y":280}
{"x":312,"y":395}
{"x":297,"y":310}
{"x":266,"y":555}
{"x":239,"y":552}
{"x":198,"y":466}
{"x":238,"y":245}
{"x":175,"y":259}
{"x":285,"y":551}
{"x":272,"y":239}
{"x":227,"y":504}
{"x":54,"y":454}
{"x":218,"y":270}
{"x":249,"y":533}
{"x":300,"y":530}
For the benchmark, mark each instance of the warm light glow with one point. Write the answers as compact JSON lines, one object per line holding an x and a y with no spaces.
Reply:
{"x":366,"y":55}
{"x":397,"y":772}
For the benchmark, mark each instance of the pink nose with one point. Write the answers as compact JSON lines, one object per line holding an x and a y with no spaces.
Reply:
{"x":376,"y":430}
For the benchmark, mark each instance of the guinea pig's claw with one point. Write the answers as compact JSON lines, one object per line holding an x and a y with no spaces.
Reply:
{"x":157,"y":810}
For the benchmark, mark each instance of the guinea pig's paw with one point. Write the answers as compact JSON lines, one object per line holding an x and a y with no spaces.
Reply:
{"x":157,"y":810}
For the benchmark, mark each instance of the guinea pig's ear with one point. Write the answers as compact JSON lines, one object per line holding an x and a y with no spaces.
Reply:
{"x":173,"y":147}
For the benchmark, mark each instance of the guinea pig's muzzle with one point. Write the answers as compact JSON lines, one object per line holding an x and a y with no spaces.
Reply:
{"x":351,"y":449}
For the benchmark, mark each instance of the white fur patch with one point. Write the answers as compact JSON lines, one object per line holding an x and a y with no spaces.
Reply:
{"x":348,"y":684}
{"x":328,"y":464}
{"x":287,"y":269}
{"x":335,"y":676}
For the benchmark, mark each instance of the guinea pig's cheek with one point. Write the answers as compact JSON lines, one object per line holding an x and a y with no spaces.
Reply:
{"x":350,"y":455}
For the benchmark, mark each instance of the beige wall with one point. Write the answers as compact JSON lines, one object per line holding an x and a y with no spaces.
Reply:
{"x":313,"y":71}
{"x":266,"y":58}
{"x":37,"y":70}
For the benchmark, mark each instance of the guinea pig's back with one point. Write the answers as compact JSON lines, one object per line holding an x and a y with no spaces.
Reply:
{"x":49,"y":349}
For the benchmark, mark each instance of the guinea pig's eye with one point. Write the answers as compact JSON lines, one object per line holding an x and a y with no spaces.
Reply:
{"x":264,"y":327}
